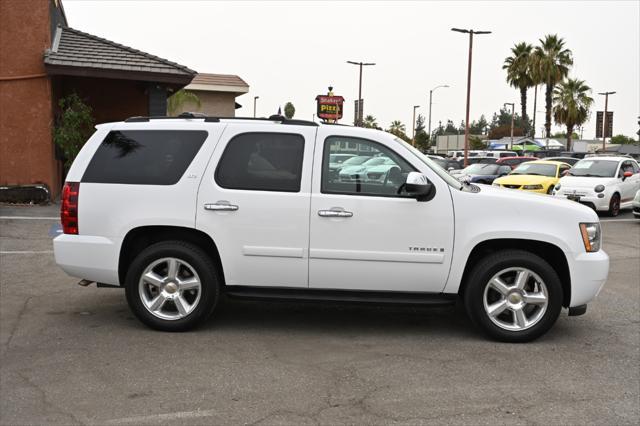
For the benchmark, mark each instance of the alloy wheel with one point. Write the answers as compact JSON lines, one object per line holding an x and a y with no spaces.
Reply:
{"x":170,"y":288}
{"x":515,"y":299}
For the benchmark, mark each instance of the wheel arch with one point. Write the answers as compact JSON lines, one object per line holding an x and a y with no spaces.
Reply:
{"x":137,"y":239}
{"x":547,"y":251}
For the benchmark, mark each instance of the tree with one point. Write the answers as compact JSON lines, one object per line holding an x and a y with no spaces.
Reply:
{"x":571,"y":104}
{"x":74,"y":126}
{"x":551,"y":63}
{"x":289,"y":110}
{"x":519,"y":75}
{"x":421,"y":139}
{"x":396,"y":126}
{"x":479,"y":127}
{"x":370,"y":122}
{"x":622,"y":140}
{"x":179,"y":99}
{"x":504,"y":131}
{"x":398,"y":129}
{"x":563,"y":135}
{"x":476,"y":143}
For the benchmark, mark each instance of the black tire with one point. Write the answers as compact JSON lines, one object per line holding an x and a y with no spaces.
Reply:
{"x":488,"y":267}
{"x":550,"y":190}
{"x":614,"y":205}
{"x":198,"y":260}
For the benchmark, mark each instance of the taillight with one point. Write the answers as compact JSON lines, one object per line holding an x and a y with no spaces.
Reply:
{"x":69,"y":207}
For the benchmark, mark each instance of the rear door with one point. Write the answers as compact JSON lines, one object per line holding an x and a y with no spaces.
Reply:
{"x":254,"y":203}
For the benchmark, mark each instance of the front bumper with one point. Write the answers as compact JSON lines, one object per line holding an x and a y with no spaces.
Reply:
{"x":589,"y":199}
{"x":589,"y":272}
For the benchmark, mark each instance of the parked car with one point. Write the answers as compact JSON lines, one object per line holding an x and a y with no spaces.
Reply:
{"x":483,"y":173}
{"x":568,"y":160}
{"x":535,"y":176}
{"x":336,"y":160}
{"x":514,"y":162}
{"x":379,"y":165}
{"x":602,"y":183}
{"x":446,"y":163}
{"x":180,"y":211}
{"x":471,"y":161}
{"x":636,"y":204}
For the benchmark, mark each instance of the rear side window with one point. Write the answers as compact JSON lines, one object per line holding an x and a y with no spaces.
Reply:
{"x":262,"y":162}
{"x":144,"y":157}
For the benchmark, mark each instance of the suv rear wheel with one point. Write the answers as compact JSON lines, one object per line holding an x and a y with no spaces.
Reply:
{"x":172,"y":286}
{"x":513,"y":296}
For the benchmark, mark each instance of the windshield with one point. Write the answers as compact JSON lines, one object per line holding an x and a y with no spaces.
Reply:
{"x":535,"y":169}
{"x":375,"y":161}
{"x":481,"y":169}
{"x":594,"y":168}
{"x":339,"y":158}
{"x":432,"y":165}
{"x":354,"y":161}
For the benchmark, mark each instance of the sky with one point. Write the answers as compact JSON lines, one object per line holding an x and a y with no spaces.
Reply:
{"x":292,"y":51}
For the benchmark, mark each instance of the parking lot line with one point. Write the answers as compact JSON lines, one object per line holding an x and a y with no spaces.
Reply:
{"x":31,"y":217}
{"x":26,"y":251}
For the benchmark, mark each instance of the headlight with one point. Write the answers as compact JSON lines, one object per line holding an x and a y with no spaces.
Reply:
{"x":599,"y":188}
{"x":532,"y":187}
{"x":591,"y":236}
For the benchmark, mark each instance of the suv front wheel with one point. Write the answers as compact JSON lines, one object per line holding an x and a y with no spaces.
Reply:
{"x":513,"y":296}
{"x":172,"y":286}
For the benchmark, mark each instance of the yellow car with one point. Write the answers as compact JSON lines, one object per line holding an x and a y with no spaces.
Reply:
{"x":535,"y":176}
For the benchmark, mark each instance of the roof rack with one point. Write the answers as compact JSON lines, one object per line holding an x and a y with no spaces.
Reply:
{"x":207,"y":119}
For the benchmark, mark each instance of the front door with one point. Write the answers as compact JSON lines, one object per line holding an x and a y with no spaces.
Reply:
{"x":366,"y":235}
{"x":254,"y":203}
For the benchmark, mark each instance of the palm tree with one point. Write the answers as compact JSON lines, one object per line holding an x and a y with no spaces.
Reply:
{"x":370,"y":122}
{"x":551,"y":62}
{"x":178,"y":99}
{"x":571,"y":104}
{"x":518,"y":68}
{"x":397,"y":127}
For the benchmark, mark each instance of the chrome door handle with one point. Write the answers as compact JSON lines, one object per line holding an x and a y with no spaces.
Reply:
{"x":221,"y":207}
{"x":334,"y":213}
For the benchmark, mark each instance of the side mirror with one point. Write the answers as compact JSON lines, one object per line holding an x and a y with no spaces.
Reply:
{"x":626,"y":175}
{"x":418,"y":186}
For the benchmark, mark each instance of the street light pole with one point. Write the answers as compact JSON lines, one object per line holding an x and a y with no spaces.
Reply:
{"x":513,"y":107}
{"x":605,"y":122}
{"x":466,"y":123}
{"x":358,"y":120}
{"x":413,"y":134}
{"x":255,"y":98}
{"x":430,"y":98}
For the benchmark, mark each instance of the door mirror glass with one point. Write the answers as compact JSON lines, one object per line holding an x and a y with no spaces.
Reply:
{"x":418,"y":186}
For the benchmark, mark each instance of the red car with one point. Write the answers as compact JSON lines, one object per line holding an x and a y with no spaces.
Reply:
{"x":514,"y":162}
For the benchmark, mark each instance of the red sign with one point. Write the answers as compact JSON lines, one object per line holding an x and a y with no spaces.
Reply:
{"x":329,"y":107}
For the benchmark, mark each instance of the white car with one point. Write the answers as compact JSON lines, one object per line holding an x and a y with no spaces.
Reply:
{"x":178,"y":211}
{"x":603,"y":183}
{"x":636,"y":204}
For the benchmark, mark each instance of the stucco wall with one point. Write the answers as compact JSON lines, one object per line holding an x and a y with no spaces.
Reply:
{"x":26,"y":146}
{"x":221,"y":104}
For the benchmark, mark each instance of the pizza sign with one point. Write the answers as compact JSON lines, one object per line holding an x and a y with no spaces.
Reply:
{"x":329,"y":107}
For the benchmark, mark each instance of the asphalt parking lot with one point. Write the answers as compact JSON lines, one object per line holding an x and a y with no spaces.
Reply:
{"x":73,"y":355}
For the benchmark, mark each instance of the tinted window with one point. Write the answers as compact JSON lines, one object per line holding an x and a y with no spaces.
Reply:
{"x":262,"y":162}
{"x":144,"y":157}
{"x":382,"y":174}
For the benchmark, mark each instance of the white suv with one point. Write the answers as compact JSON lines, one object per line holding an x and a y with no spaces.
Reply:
{"x":602,"y":183}
{"x":180,"y":211}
